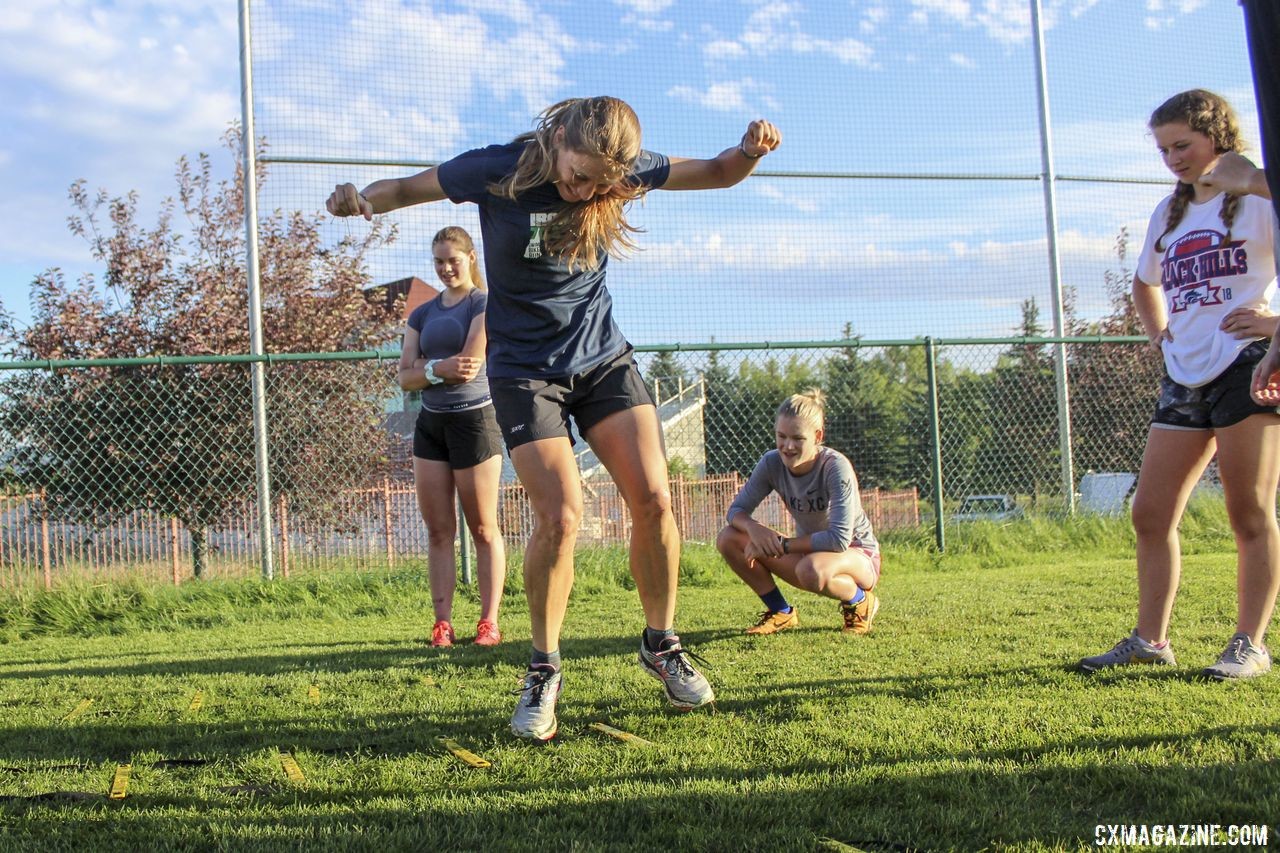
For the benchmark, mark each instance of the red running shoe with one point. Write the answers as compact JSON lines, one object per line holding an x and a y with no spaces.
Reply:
{"x":487,"y":633}
{"x":442,"y":634}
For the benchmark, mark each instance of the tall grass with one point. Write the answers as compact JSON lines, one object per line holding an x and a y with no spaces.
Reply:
{"x":81,"y":608}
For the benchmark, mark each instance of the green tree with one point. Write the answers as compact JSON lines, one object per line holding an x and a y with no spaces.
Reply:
{"x":666,"y":375}
{"x":105,"y":441}
{"x":877,"y":413}
{"x":740,"y":408}
{"x":1023,"y":454}
{"x":1113,"y":386}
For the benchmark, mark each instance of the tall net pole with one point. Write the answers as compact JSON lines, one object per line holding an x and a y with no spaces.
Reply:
{"x":1049,"y":176}
{"x":256,"y":369}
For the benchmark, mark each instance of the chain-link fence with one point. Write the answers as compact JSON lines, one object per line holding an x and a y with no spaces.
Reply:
{"x":146,"y":466}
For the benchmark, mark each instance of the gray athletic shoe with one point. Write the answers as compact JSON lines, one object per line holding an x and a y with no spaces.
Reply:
{"x":1242,"y":659}
{"x":686,"y":687}
{"x":535,"y":714}
{"x":1132,"y":649}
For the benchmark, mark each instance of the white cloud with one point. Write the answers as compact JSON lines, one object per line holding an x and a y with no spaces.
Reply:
{"x":643,"y":15}
{"x":728,"y":96}
{"x":1181,"y":7}
{"x":774,"y":27}
{"x":723,"y":49}
{"x":649,"y":25}
{"x":801,"y":203}
{"x":427,"y":71}
{"x":1008,"y":21}
{"x":645,"y":7}
{"x":1005,"y":21}
{"x":849,"y":51}
{"x":106,"y":78}
{"x":1164,"y":13}
{"x":956,"y":10}
{"x":962,"y":61}
{"x":872,"y":19}
{"x":1080,"y":7}
{"x":517,"y":11}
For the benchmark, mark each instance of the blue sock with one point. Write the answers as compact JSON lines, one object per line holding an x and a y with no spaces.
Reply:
{"x":545,"y":658}
{"x":775,"y":601}
{"x":653,"y":637}
{"x":862,"y":593}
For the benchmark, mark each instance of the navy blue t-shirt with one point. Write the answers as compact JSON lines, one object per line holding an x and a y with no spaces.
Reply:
{"x":543,"y":320}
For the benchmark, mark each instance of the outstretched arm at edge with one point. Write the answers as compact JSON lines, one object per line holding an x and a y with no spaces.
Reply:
{"x":730,"y":166}
{"x":385,"y":195}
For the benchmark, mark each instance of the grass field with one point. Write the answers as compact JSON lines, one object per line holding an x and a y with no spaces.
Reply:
{"x":957,"y":725}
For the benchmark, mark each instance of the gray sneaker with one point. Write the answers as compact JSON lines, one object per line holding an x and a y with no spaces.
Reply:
{"x":535,"y":714}
{"x":1242,"y":659}
{"x":686,"y":687}
{"x":1132,"y":649}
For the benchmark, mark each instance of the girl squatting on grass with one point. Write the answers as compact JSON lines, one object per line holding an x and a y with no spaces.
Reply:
{"x":834,"y":553}
{"x":552,"y":209}
{"x":1208,"y":257}
{"x":456,"y":443}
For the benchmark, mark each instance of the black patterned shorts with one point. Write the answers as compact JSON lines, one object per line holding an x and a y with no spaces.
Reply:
{"x":1224,"y":401}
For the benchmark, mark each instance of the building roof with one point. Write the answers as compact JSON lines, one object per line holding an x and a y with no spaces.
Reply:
{"x":415,"y":290}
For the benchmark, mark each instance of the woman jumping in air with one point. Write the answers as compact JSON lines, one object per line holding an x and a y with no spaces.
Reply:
{"x":552,"y":210}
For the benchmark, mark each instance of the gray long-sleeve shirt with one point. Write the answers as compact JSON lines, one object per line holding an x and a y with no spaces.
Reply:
{"x":824,"y":503}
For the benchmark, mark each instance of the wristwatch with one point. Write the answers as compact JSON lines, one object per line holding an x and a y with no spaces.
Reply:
{"x":428,"y":370}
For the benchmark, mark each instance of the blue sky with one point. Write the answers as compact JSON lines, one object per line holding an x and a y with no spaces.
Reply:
{"x":115,"y":92}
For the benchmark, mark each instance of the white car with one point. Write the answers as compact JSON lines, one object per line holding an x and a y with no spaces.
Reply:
{"x":988,"y":508}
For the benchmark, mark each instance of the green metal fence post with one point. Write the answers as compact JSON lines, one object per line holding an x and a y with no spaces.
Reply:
{"x":935,"y":441}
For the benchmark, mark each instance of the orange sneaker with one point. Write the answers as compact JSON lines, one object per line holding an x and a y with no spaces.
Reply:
{"x":857,"y":619}
{"x":772,"y":621}
{"x":442,"y":634}
{"x":487,"y":633}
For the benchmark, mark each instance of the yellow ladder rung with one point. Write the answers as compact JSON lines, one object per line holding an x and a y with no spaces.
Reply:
{"x":462,"y":753}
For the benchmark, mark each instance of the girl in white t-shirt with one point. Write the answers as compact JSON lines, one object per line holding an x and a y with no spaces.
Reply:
{"x":1208,"y":260}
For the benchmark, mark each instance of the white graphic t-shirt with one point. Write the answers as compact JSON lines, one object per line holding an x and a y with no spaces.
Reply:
{"x":1204,"y":277}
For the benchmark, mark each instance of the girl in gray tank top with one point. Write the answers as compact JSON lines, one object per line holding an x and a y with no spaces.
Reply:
{"x":457,"y":448}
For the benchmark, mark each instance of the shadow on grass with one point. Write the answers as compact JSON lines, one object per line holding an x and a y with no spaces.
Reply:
{"x":874,"y":800}
{"x":872,"y":809}
{"x":342,"y":656}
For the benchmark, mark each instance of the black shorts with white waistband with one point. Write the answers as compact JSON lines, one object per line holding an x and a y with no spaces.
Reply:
{"x":533,"y":409}
{"x":463,"y":439}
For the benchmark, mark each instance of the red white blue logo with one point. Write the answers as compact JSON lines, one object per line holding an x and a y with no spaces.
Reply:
{"x":1194,"y":265}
